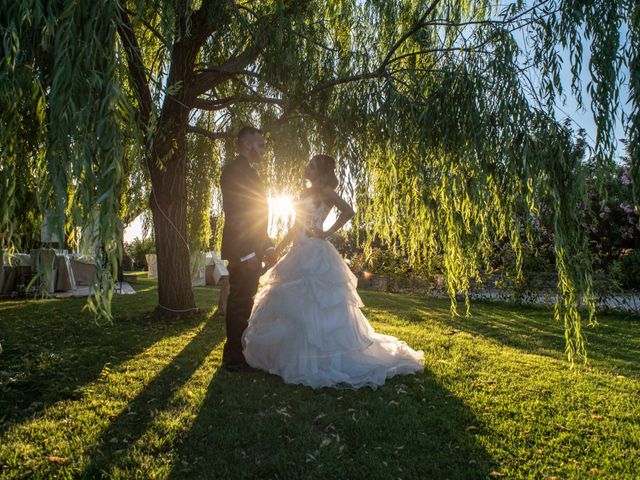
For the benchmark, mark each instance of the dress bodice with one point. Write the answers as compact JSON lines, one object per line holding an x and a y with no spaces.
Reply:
{"x":313,"y":215}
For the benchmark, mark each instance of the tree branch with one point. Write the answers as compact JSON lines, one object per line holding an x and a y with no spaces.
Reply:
{"x":136,"y":67}
{"x":221,"y":103}
{"x":210,"y":134}
{"x":193,"y":31}
{"x":418,"y":25}
{"x":155,"y":32}
{"x":148,"y":26}
{"x":278,"y":122}
{"x":288,"y":115}
{"x":211,"y":77}
{"x":438,"y":50}
{"x":211,"y":16}
{"x":380,"y":71}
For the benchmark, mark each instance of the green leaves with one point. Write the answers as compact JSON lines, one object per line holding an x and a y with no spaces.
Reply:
{"x":442,"y":132}
{"x":71,"y":100}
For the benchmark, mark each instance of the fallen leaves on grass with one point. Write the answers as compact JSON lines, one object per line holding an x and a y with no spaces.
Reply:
{"x":55,"y":459}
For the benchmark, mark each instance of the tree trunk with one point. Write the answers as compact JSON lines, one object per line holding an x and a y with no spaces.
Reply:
{"x":169,"y":207}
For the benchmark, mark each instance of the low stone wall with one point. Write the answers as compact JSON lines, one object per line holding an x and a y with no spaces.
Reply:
{"x":542,"y":292}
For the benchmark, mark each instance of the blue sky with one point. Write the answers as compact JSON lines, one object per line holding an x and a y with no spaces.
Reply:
{"x":583,"y":117}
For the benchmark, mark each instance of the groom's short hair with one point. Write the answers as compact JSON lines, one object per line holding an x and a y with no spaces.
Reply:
{"x":246,"y":132}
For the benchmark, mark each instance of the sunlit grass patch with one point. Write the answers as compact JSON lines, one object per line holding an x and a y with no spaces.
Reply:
{"x":146,"y":398}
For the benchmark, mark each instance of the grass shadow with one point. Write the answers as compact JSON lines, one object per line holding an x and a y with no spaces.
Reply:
{"x":255,"y":426}
{"x":134,"y":421}
{"x":614,"y":344}
{"x":52,"y":349}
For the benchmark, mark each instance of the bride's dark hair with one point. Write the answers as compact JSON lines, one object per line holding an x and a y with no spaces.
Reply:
{"x":326,"y":166}
{"x":326,"y":176}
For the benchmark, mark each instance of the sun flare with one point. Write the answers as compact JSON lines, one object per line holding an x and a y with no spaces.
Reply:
{"x":281,"y":214}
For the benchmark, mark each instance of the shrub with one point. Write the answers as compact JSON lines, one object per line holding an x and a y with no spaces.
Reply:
{"x":627,"y":270}
{"x":136,"y":251}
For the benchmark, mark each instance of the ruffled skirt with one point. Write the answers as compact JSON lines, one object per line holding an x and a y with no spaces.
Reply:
{"x":307,"y":327}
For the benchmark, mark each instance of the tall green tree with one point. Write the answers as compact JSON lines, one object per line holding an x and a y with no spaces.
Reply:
{"x":430,"y":107}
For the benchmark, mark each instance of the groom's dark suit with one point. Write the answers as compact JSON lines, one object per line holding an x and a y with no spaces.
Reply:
{"x":245,"y":236}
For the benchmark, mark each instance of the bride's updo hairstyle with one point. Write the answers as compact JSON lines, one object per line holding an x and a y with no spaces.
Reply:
{"x":325,"y":176}
{"x":326,"y":166}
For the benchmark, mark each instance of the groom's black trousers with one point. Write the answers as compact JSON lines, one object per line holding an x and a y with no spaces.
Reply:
{"x":243,"y":284}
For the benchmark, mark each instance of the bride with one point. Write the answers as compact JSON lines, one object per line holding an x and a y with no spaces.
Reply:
{"x":306,"y":324}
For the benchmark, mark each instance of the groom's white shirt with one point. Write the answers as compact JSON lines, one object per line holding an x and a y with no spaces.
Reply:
{"x":253,"y":254}
{"x":248,"y":257}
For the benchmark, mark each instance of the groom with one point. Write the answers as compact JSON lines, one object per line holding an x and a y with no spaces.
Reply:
{"x":245,"y":240}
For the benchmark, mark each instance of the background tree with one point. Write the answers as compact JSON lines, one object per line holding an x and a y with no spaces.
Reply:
{"x":429,"y":106}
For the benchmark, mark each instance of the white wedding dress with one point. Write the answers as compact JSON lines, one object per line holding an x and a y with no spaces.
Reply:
{"x":306,"y":324}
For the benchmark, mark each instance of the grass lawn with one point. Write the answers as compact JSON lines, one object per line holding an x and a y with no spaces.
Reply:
{"x":146,"y":398}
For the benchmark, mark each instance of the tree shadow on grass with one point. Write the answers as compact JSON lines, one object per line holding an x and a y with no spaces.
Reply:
{"x":614,"y":344}
{"x":136,"y":419}
{"x":252,"y":425}
{"x":52,"y":349}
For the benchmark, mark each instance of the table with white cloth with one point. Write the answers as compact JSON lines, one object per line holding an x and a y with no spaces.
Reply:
{"x":15,"y":272}
{"x":55,"y":269}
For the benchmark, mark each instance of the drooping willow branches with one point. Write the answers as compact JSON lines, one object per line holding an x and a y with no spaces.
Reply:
{"x":441,"y":114}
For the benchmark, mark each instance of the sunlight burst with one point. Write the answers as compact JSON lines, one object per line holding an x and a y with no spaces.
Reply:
{"x":281,"y":214}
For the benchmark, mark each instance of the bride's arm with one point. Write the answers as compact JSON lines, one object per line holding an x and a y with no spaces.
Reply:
{"x":346,"y":212}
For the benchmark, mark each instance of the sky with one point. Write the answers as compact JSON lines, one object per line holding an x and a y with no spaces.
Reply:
{"x":134,"y":230}
{"x":583,"y":118}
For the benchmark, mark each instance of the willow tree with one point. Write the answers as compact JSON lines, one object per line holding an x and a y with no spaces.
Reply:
{"x":429,"y":106}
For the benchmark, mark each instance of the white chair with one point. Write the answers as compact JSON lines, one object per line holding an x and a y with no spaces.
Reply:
{"x":152,"y":265}
{"x":5,"y":271}
{"x":219,"y":275}
{"x":65,"y":279}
